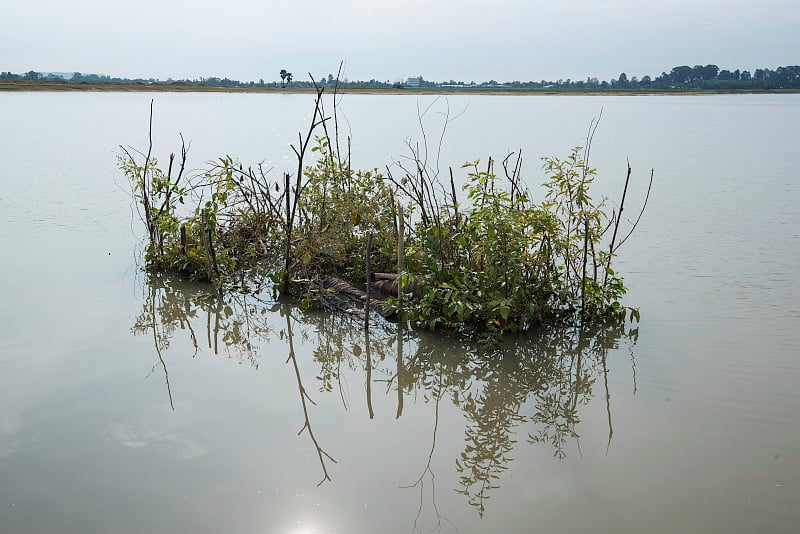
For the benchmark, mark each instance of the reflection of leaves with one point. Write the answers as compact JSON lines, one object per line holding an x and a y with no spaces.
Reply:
{"x":534,"y":384}
{"x":173,"y":304}
{"x":554,"y":372}
{"x":492,"y":418}
{"x":556,"y":421}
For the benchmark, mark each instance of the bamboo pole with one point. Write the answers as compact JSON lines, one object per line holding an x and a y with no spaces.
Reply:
{"x":369,"y":275}
{"x":401,"y":228}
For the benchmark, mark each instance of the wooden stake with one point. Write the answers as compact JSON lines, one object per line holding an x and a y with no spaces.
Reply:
{"x":401,"y":228}
{"x":369,"y":276}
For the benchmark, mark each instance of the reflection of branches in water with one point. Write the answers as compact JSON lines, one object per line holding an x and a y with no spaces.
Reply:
{"x":369,"y":374}
{"x":555,"y":372}
{"x":492,"y":417}
{"x":568,"y":384}
{"x":303,"y":397}
{"x":339,"y":341}
{"x":583,"y":356}
{"x":402,"y":375}
{"x":158,"y":351}
{"x":437,"y":395}
{"x":233,"y":323}
{"x":634,"y":335}
{"x":399,"y":375}
{"x":540,"y":380}
{"x":608,"y":405}
{"x":329,"y":355}
{"x":151,"y":319}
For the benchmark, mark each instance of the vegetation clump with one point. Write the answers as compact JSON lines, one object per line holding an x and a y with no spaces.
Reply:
{"x":490,"y":259}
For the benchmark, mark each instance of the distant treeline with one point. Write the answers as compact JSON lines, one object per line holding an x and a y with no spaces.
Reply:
{"x":699,"y":77}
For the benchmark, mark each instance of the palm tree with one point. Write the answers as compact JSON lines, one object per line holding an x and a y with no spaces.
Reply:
{"x":286,"y":77}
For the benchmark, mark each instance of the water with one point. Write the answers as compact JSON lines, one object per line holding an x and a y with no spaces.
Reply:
{"x":688,"y":423}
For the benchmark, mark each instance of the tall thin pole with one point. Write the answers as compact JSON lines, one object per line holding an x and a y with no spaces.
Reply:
{"x":369,"y":277}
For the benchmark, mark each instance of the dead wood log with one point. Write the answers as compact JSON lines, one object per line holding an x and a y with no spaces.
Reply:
{"x":331,"y":283}
{"x":388,"y":284}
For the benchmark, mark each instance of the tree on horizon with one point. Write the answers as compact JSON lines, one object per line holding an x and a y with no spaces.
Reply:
{"x":286,"y":78}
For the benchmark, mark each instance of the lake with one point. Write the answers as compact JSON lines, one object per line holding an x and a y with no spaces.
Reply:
{"x":133,"y":403}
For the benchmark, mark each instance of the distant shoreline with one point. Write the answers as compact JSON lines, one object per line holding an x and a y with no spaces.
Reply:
{"x":112,"y":87}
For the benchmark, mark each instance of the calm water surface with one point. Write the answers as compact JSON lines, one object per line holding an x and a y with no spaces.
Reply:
{"x":138,"y":404}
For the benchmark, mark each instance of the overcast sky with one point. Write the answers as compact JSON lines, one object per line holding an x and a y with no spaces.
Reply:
{"x":440,"y":40}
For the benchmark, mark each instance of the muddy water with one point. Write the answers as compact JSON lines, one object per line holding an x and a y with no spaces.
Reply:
{"x":131,"y":403}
